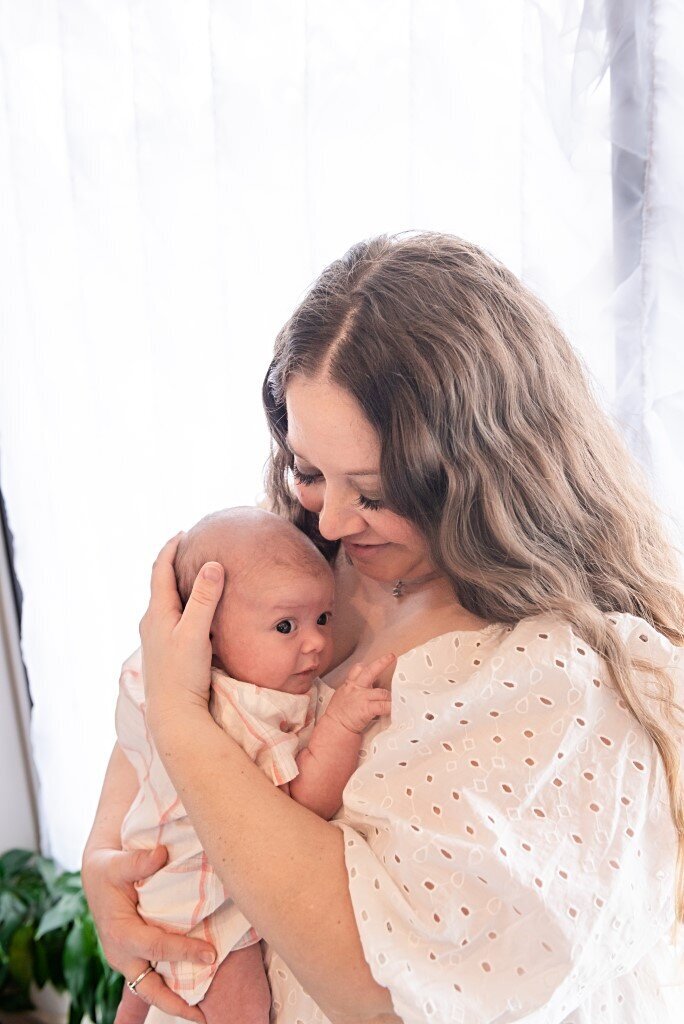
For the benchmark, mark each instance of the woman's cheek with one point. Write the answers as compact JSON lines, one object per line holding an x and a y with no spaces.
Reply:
{"x":308,"y":497}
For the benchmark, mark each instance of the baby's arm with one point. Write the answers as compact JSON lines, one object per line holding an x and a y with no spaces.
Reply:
{"x":333,"y":751}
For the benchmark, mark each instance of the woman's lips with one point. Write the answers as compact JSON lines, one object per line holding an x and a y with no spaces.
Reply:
{"x":362,"y":550}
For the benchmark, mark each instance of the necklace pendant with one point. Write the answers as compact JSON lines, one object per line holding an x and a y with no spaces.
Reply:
{"x":398,"y":589}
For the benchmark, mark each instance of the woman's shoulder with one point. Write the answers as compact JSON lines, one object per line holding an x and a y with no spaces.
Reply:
{"x":551,"y":639}
{"x":539,"y":646}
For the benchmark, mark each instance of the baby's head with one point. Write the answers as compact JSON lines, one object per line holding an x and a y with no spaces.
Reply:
{"x":272,"y":626}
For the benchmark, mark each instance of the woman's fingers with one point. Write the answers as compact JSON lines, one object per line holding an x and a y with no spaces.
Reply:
{"x":133,"y":865}
{"x":138,"y":938}
{"x":154,"y":991}
{"x":153,"y":944}
{"x":206,"y":593}
{"x":163,"y":591}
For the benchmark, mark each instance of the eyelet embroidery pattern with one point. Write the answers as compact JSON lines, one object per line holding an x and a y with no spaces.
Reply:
{"x":508,"y":837}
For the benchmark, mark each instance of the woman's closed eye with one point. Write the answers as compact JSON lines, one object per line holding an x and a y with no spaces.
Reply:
{"x":305,"y":478}
{"x":370,"y":504}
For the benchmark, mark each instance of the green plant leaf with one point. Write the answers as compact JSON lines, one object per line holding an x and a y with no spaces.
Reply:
{"x":79,"y":948}
{"x":101,"y":1000}
{"x":41,"y":971}
{"x":47,"y":934}
{"x":75,"y":1014}
{"x":48,"y":871}
{"x":53,"y":945}
{"x":12,"y":912}
{"x":21,"y":956}
{"x":14,"y":861}
{"x":68,"y":882}
{"x":115,"y":983}
{"x":66,"y":910}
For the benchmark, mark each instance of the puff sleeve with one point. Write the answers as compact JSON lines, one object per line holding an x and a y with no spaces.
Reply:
{"x":508,"y":840}
{"x":271,"y":726}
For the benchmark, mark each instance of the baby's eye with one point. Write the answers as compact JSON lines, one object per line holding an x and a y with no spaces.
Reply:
{"x":324,"y":619}
{"x":286,"y":626}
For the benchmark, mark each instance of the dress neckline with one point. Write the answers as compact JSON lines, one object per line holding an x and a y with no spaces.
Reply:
{"x":484,"y":631}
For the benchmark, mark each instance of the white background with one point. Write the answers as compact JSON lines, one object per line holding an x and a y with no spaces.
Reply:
{"x":173,"y":175}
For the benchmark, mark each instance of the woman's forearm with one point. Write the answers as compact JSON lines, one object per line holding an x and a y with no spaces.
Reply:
{"x":118,"y":790}
{"x":282,"y":864}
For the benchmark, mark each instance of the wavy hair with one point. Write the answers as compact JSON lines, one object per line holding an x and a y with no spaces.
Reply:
{"x":494,"y":445}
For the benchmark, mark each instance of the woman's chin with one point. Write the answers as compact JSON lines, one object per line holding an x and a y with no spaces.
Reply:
{"x":380,"y":566}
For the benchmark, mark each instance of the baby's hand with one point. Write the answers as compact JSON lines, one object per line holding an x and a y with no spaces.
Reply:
{"x":356,"y":702}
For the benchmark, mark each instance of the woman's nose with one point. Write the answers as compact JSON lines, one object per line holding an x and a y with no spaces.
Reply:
{"x":338,"y":519}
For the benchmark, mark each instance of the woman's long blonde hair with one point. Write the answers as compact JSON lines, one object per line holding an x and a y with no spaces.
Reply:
{"x":494,"y":445}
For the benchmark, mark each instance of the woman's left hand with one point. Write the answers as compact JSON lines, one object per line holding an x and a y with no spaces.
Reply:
{"x":176,"y":648}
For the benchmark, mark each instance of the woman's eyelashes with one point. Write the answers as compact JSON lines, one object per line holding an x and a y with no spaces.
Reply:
{"x":370,"y":504}
{"x":306,"y":479}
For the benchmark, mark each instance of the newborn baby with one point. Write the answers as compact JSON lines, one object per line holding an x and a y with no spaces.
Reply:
{"x":271,"y":639}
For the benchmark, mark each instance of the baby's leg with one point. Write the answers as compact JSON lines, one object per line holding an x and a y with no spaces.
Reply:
{"x":239,"y":992}
{"x":132,"y":1009}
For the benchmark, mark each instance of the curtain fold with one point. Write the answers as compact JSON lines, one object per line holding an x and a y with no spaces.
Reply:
{"x":172,"y":179}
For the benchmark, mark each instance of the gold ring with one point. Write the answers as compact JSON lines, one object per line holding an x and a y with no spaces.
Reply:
{"x":132,"y":984}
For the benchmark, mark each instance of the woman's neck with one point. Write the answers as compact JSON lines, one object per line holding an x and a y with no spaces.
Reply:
{"x":370,"y":621}
{"x":425,"y":597}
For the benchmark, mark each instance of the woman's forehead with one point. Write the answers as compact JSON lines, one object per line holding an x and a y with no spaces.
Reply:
{"x":326,"y":424}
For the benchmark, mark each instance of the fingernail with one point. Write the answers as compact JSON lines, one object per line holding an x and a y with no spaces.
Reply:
{"x":207,"y":958}
{"x":212,"y":572}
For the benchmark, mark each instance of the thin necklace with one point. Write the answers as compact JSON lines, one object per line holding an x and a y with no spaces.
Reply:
{"x":401,"y":586}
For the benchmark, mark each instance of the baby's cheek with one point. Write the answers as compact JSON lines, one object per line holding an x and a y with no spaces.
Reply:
{"x":326,"y":657}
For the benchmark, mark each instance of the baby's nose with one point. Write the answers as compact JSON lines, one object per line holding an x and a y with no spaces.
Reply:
{"x":314,"y":640}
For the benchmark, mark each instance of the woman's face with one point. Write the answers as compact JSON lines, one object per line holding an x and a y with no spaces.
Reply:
{"x":337,"y":475}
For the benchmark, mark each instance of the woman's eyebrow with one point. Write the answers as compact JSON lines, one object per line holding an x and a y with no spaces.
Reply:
{"x":351,"y":472}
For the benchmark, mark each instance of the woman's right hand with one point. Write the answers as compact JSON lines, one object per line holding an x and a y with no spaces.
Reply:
{"x":129,"y":944}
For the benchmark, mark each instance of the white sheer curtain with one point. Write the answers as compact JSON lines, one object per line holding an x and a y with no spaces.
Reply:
{"x":173,"y":175}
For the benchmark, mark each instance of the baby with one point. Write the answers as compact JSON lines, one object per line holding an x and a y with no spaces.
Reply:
{"x":271,"y":640}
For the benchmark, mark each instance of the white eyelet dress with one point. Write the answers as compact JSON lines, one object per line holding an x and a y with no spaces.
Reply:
{"x":508,"y":838}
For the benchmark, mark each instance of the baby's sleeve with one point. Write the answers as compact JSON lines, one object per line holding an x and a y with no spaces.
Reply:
{"x":509,"y":842}
{"x":129,"y":716}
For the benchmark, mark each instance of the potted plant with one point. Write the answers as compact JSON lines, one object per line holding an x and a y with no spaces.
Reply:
{"x":47,"y":937}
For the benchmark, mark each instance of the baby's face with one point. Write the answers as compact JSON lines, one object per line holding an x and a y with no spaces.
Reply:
{"x":274,"y":628}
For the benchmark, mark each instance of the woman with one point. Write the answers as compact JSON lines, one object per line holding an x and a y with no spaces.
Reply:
{"x":507,"y":847}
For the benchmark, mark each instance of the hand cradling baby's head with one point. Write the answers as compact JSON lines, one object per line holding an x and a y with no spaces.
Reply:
{"x":272,"y":625}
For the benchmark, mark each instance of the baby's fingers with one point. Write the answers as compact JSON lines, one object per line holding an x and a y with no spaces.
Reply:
{"x":365,"y":675}
{"x":380,"y":702}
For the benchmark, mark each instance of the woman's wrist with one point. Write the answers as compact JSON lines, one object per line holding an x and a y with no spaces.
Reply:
{"x":173,"y":722}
